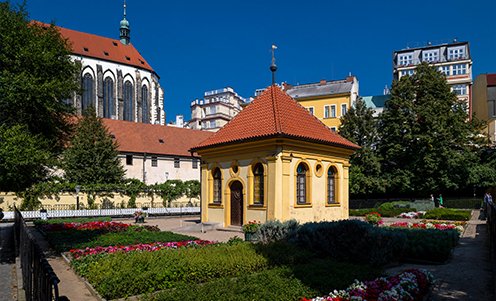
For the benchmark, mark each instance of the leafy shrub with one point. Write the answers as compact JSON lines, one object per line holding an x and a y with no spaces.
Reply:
{"x":275,"y":230}
{"x":125,"y":274}
{"x":284,"y":253}
{"x":393,"y":205}
{"x":38,"y":222}
{"x":428,"y":244}
{"x":373,"y":218}
{"x":361,"y":212}
{"x":351,"y":240}
{"x":448,"y":214}
{"x":463,"y":203}
{"x":384,"y":212}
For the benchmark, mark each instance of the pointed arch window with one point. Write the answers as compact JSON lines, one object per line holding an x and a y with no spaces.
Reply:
{"x":128,"y":101}
{"x":108,"y":97}
{"x":88,"y":92}
{"x":144,"y":104}
{"x":258,"y":184}
{"x":217,"y":186}
{"x":301,"y":184}
{"x":331,"y":186}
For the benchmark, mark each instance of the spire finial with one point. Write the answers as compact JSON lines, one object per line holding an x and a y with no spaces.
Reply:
{"x":273,"y":66}
{"x":124,"y":9}
{"x":124,"y":29}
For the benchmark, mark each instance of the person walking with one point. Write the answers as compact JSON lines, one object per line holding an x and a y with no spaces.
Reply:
{"x":434,"y":201}
{"x":441,"y":202}
{"x":488,"y":200}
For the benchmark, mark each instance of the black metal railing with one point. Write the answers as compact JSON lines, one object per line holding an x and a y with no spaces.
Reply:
{"x":39,"y":280}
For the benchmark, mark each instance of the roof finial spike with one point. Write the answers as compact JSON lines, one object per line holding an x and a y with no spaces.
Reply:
{"x":273,"y":66}
{"x":124,"y":29}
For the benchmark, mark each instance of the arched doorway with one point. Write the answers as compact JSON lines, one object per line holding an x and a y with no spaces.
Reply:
{"x":236,"y":203}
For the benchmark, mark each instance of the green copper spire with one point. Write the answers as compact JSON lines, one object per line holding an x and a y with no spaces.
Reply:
{"x":124,"y":29}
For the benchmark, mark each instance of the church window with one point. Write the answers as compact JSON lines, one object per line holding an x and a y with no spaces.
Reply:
{"x":144,"y":104}
{"x":217,"y":185}
{"x":301,"y":184}
{"x":258,"y":184}
{"x":128,"y":101}
{"x":88,"y":92}
{"x":331,"y":186}
{"x":108,"y":97}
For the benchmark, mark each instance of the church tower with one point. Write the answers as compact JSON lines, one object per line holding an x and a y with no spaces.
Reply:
{"x":124,"y":29}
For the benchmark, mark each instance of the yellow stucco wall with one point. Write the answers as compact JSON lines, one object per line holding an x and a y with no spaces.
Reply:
{"x":67,"y":201}
{"x":318,"y":105}
{"x":280,"y":158}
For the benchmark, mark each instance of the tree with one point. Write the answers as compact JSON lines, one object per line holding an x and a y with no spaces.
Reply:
{"x":359,"y":126}
{"x":170,"y":190}
{"x":22,"y":158}
{"x":92,"y":157}
{"x":192,"y":189}
{"x":36,"y":75}
{"x":427,"y":141}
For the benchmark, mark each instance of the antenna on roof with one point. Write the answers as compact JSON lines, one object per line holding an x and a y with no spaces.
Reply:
{"x":273,"y":67}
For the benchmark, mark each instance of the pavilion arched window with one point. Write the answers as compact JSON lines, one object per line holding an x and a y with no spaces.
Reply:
{"x":217,"y":186}
{"x":108,"y":97}
{"x":144,"y":105}
{"x":301,"y":184}
{"x":88,"y":92}
{"x":331,"y":186}
{"x":128,"y":101}
{"x":258,"y":184}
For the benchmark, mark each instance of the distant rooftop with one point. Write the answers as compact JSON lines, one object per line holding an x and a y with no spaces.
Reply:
{"x":376,"y":101}
{"x":432,"y":46}
{"x":321,"y":88}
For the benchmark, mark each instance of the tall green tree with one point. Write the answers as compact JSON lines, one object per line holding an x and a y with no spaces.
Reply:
{"x":359,"y":126}
{"x":36,"y":74}
{"x":92,"y":157}
{"x":427,"y":141}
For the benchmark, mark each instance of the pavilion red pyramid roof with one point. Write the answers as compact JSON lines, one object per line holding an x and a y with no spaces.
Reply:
{"x":275,"y":114}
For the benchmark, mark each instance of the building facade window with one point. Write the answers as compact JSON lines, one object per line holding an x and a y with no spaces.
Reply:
{"x":108,"y":97}
{"x":301,"y":184}
{"x":430,"y":55}
{"x":154,"y":161}
{"x":405,"y":59}
{"x":456,"y":53}
{"x":144,"y":105}
{"x":331,"y":186}
{"x":88,"y":92}
{"x":258,"y":184}
{"x":129,"y":159}
{"x":217,"y":186}
{"x":195,"y":163}
{"x":333,"y":111}
{"x":459,"y":69}
{"x":344,"y":109}
{"x":409,"y":72}
{"x":460,"y":89}
{"x":333,"y":129}
{"x":177,"y":163}
{"x":445,"y":70}
{"x":128,"y":101}
{"x":310,"y":109}
{"x":212,"y":124}
{"x":327,"y":112}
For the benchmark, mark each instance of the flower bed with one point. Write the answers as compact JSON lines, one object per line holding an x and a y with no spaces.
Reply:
{"x":78,"y":253}
{"x":428,"y":225}
{"x":412,"y":214}
{"x":410,"y":285}
{"x":87,"y":226}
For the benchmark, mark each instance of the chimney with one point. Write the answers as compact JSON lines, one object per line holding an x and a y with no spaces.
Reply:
{"x":350,"y":78}
{"x":323,"y":82}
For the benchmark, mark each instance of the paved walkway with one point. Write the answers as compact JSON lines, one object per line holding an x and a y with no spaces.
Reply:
{"x":468,"y":274}
{"x":8,"y":280}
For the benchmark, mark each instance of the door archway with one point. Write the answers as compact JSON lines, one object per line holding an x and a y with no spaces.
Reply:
{"x":236,"y":203}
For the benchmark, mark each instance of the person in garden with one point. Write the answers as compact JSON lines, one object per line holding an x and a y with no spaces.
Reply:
{"x":488,"y":199}
{"x":441,"y":202}
{"x":433,"y":200}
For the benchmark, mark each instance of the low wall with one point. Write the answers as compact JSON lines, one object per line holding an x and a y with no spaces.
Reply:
{"x":67,"y":201}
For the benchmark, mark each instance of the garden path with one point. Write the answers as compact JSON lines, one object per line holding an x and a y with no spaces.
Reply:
{"x":467,"y":275}
{"x":8,"y":280}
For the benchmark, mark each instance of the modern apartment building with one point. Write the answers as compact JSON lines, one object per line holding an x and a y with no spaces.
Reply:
{"x":452,"y":59}
{"x":326,"y":100}
{"x":484,"y":102}
{"x":215,"y":109}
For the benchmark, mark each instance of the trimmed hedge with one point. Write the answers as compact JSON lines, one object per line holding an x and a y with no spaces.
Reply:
{"x":387,"y":212}
{"x":39,"y":222}
{"x":121,"y":275}
{"x":448,"y":214}
{"x":463,"y":203}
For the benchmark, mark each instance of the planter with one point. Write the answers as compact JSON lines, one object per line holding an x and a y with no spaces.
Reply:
{"x":249,"y":236}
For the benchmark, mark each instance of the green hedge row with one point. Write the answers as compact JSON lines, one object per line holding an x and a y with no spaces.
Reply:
{"x":463,"y":203}
{"x":393,"y":212}
{"x":448,"y":214}
{"x":126,"y":274}
{"x":428,"y":244}
{"x":39,"y":222}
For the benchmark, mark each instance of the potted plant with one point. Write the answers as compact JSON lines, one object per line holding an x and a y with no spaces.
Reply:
{"x":250,"y":229}
{"x":139,"y":216}
{"x":373,"y":218}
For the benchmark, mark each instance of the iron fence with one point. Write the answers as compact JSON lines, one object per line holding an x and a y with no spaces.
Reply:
{"x":39,"y":281}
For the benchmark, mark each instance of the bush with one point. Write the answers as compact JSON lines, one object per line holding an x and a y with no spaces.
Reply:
{"x":275,"y":284}
{"x":448,"y":214}
{"x":275,"y":230}
{"x":361,"y":212}
{"x":39,"y":222}
{"x":125,"y":274}
{"x":386,"y":211}
{"x":463,"y":203}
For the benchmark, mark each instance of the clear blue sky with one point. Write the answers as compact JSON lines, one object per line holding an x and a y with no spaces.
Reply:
{"x":199,"y":45}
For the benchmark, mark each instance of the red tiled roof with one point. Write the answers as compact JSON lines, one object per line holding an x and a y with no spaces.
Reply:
{"x":137,"y":137}
{"x":90,"y":45}
{"x":491,"y":80}
{"x":275,"y":114}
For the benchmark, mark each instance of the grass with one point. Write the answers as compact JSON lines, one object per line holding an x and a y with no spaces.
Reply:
{"x":38,"y":222}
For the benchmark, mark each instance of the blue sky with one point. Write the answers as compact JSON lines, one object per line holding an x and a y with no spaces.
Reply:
{"x":199,"y":45}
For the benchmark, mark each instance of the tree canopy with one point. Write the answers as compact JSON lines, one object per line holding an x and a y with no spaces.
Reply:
{"x":92,"y":157}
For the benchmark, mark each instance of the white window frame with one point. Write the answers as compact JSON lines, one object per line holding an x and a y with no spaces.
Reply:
{"x":455,"y":53}
{"x":459,"y":69}
{"x":327,"y":111}
{"x":311,"y":110}
{"x":345,"y":106}
{"x":405,"y":59}
{"x":445,"y":70}
{"x":333,"y":111}
{"x":212,"y":124}
{"x":461,"y":89}
{"x":430,"y":55}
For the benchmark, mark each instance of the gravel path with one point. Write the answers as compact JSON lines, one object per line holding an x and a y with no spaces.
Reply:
{"x":7,"y":263}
